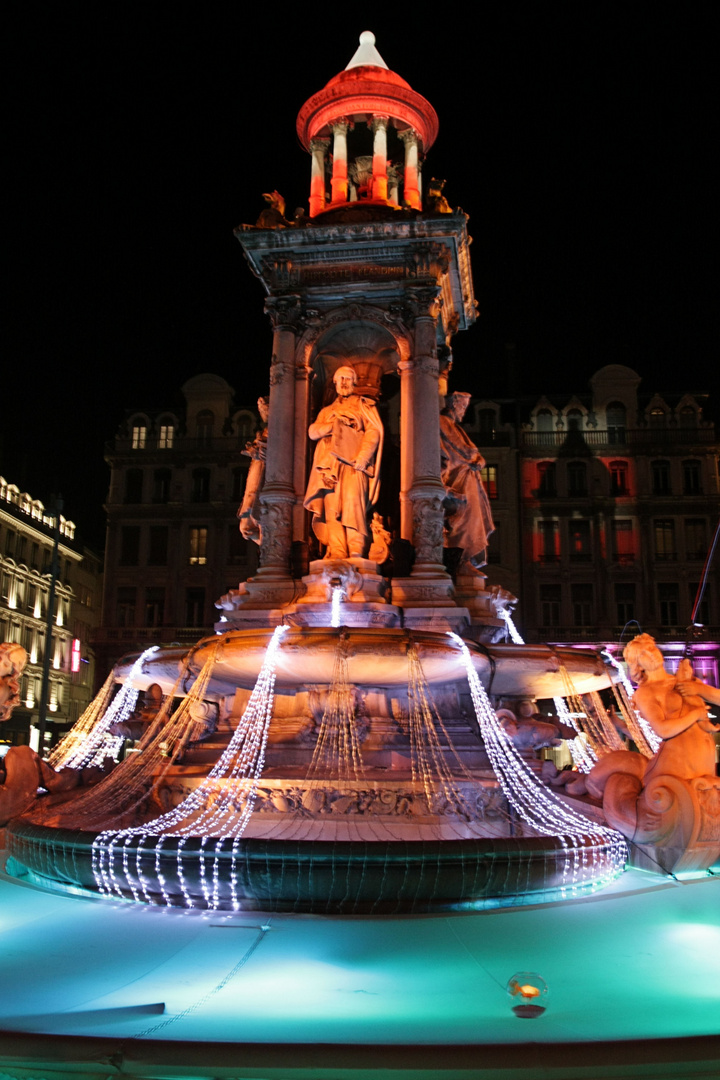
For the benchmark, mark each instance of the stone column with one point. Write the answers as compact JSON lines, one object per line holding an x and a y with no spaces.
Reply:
{"x":318,"y":148}
{"x":339,"y":182}
{"x":412,"y":170}
{"x":380,"y":178}
{"x":278,"y":494}
{"x":427,"y":490}
{"x":405,"y":367}
{"x":303,"y":375}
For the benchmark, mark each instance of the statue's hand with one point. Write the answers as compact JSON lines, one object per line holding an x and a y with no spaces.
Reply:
{"x":349,"y":420}
{"x":689,"y":688}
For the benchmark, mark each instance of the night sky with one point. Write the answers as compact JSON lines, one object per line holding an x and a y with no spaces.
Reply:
{"x":579,"y":138}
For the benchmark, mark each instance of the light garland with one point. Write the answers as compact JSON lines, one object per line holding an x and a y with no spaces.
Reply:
{"x":537,"y":806}
{"x":93,"y":746}
{"x":625,"y":695}
{"x":219,"y":809}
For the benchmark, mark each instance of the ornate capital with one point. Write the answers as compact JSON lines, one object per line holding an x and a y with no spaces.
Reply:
{"x":341,"y":125}
{"x":378,"y":122}
{"x":284,"y":312}
{"x":409,"y":135}
{"x":424,"y":302}
{"x":319,"y":145}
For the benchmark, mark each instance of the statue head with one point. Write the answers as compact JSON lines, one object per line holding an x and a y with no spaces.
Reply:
{"x":263,"y":405}
{"x":457,"y":404}
{"x":345,"y":378}
{"x":642,"y":655}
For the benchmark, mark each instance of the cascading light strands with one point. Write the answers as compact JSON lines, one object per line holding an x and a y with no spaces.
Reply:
{"x":218,"y":810}
{"x":97,"y":743}
{"x":80,"y":731}
{"x":647,"y":742}
{"x":537,"y":806}
{"x":583,"y":755}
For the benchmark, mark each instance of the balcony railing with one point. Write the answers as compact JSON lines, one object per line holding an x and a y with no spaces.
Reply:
{"x":182,"y":443}
{"x":639,"y":437}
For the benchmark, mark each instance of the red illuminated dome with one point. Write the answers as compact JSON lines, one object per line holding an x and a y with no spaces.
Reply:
{"x":378,"y":126}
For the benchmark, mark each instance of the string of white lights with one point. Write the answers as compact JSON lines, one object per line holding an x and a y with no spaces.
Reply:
{"x":98,"y":743}
{"x":217,"y":809}
{"x":625,"y":695}
{"x":79,"y":732}
{"x":337,"y":598}
{"x":535,"y":804}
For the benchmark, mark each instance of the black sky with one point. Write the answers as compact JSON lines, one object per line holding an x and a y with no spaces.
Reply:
{"x":579,"y":138}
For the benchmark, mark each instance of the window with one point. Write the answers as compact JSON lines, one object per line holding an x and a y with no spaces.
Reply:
{"x":577,"y":478}
{"x":238,"y":483}
{"x":695,"y":538}
{"x":661,"y":477}
{"x":489,"y":476}
{"x":657,"y":417}
{"x":665,"y":539}
{"x":34,"y":554}
{"x":205,"y":422}
{"x":494,"y":554}
{"x":688,"y":417}
{"x":582,"y":604}
{"x":691,"y":478}
{"x":154,"y":606}
{"x":139,"y":436}
{"x":618,"y":478}
{"x":579,"y":538}
{"x":623,"y":539}
{"x":200,"y":485}
{"x":616,"y":422}
{"x":21,"y":546}
{"x":129,"y":545}
{"x":549,"y":541}
{"x":125,"y":608}
{"x":237,"y":546}
{"x":668,"y":596}
{"x":133,"y":486}
{"x":625,"y":602}
{"x":486,"y":421}
{"x":550,"y":605}
{"x":702,"y":615}
{"x":194,"y":607}
{"x":544,"y":420}
{"x":547,"y":483}
{"x":161,"y":485}
{"x":574,"y":420}
{"x":166,"y":436}
{"x":198,"y":550}
{"x":158,"y":552}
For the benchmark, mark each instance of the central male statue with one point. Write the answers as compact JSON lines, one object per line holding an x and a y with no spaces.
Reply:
{"x":345,"y":477}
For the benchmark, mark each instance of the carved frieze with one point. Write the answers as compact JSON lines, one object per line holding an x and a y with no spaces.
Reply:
{"x":427,"y":527}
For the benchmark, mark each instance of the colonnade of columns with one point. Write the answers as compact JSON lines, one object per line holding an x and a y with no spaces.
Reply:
{"x":384,"y":178}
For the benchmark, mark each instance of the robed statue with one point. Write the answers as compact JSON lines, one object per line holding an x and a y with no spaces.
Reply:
{"x":249,"y":511}
{"x":345,"y":476}
{"x":468,"y":522}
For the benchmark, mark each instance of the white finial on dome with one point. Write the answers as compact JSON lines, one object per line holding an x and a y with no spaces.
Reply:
{"x":367,"y":54}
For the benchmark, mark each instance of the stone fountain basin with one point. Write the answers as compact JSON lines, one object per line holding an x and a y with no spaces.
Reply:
{"x":377,"y":657}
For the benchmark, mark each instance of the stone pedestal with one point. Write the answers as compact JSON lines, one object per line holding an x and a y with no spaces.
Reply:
{"x":364,"y":601}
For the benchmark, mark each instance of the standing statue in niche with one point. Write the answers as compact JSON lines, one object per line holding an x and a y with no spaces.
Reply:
{"x":249,"y":511}
{"x":468,"y":522}
{"x":345,"y":476}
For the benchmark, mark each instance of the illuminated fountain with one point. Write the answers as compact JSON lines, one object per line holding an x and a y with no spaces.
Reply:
{"x":355,"y":737}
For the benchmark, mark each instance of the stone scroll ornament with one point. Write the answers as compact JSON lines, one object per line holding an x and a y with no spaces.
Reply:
{"x":668,"y":806}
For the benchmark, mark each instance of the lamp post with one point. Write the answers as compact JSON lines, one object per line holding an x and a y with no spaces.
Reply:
{"x":54,"y":571}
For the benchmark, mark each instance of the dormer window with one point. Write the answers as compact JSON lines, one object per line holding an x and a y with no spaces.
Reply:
{"x":139,"y":436}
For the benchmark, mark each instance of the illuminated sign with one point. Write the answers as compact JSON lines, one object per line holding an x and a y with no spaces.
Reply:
{"x":75,"y":659}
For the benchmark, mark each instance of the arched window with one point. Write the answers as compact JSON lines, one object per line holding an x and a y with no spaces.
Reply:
{"x":166,"y":433}
{"x":688,"y":417}
{"x":574,"y":420}
{"x":616,"y":422}
{"x":657,"y":417}
{"x":544,"y":420}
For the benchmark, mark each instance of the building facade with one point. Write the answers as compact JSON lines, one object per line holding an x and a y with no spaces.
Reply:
{"x":27,"y":532}
{"x":173,"y":543}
